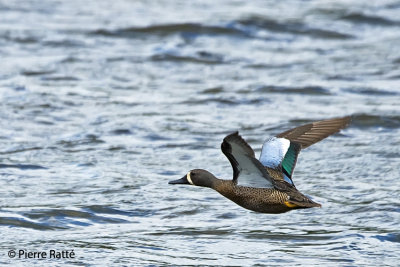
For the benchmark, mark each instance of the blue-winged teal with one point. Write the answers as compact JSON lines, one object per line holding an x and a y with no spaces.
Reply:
{"x":266,"y":185}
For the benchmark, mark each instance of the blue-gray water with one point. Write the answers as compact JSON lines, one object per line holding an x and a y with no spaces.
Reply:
{"x":104,"y":102}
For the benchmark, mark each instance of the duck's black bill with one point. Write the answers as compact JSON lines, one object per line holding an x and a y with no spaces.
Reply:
{"x":183,"y":180}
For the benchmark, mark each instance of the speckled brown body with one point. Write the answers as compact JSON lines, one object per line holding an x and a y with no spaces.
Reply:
{"x":265,"y":200}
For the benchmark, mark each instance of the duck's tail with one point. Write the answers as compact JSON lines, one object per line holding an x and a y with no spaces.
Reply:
{"x":302,"y":204}
{"x":298,"y":200}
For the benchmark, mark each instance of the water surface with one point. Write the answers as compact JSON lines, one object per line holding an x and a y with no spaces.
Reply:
{"x":103,"y":103}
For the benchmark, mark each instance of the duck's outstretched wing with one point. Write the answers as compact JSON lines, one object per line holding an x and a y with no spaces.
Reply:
{"x":281,"y":152}
{"x":247,"y":170}
{"x":311,"y":133}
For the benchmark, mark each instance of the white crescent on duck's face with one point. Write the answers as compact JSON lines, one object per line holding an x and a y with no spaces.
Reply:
{"x":189,"y":178}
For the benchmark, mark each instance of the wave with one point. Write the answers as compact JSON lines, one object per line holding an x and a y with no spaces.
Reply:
{"x":246,"y":27}
{"x":358,"y":18}
{"x":22,"y":166}
{"x":298,"y":28}
{"x":169,"y":29}
{"x":308,"y":90}
{"x":59,"y":219}
{"x":363,"y":120}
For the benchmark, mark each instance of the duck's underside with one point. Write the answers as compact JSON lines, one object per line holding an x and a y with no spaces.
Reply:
{"x":266,"y":200}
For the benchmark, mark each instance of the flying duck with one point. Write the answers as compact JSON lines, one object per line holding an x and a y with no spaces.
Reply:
{"x":265,"y":185}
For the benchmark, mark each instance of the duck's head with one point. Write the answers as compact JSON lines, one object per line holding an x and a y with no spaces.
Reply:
{"x":196,"y":177}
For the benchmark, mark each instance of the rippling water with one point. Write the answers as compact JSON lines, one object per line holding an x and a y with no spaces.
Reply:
{"x":104,"y":102}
